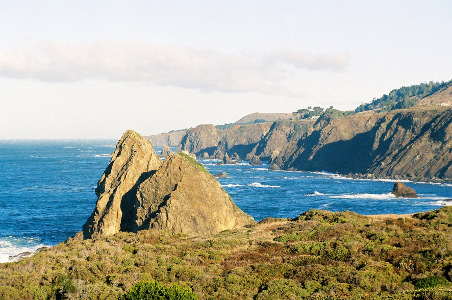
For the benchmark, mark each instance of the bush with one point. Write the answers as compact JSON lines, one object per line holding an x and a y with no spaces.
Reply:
{"x":153,"y":291}
{"x":430,"y":282}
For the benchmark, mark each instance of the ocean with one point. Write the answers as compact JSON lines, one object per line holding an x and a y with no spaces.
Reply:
{"x":47,"y":191}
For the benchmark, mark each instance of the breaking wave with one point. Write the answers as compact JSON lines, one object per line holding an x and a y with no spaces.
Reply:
{"x":257,"y":184}
{"x":365,"y":196}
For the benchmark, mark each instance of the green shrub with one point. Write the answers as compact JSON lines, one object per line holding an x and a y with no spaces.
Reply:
{"x":153,"y":291}
{"x":430,"y":282}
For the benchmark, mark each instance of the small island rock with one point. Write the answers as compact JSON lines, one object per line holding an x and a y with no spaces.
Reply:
{"x":166,"y":151}
{"x":401,"y":190}
{"x":226,"y":159}
{"x":255,"y":161}
{"x":221,"y":175}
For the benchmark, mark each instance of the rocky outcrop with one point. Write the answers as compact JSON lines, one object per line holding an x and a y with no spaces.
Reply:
{"x":235,"y":157}
{"x":138,"y":192}
{"x":239,"y":138}
{"x":218,"y":155}
{"x":401,"y":190}
{"x":183,"y":197}
{"x":227,"y":159}
{"x":221,"y":175}
{"x":255,"y":161}
{"x":133,"y":161}
{"x":166,"y":151}
{"x":274,"y":167}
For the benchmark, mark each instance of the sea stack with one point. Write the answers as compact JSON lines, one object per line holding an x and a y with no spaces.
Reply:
{"x":138,"y":192}
{"x":255,"y":161}
{"x":134,"y":159}
{"x":166,"y":151}
{"x":401,"y":190}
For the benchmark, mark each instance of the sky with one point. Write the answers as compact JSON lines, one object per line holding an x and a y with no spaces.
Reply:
{"x":93,"y":69}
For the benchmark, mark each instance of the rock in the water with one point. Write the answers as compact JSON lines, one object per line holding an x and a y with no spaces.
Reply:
{"x":218,"y":155}
{"x":401,"y":190}
{"x":166,"y":151}
{"x":255,"y":161}
{"x":227,"y":159}
{"x":132,"y":162}
{"x":221,"y":175}
{"x":235,"y":157}
{"x":205,"y":155}
{"x":138,"y":191}
{"x":274,"y":167}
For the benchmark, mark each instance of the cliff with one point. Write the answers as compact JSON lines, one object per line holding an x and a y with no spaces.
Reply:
{"x":239,"y":139}
{"x":414,"y":144}
{"x":411,"y":143}
{"x":171,"y":139}
{"x":138,"y":191}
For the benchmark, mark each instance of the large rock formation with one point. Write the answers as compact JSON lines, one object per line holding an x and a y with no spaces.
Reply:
{"x":134,"y":160}
{"x":138,"y":191}
{"x":183,"y":197}
{"x":401,"y":190}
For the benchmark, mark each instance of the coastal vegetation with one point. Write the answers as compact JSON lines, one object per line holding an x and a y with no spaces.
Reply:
{"x":319,"y":255}
{"x":404,"y":97}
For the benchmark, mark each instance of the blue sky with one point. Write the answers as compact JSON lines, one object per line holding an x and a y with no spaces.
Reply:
{"x":92,"y":69}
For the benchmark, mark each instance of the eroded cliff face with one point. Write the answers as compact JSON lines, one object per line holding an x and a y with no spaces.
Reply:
{"x":171,"y":139}
{"x":240,"y":139}
{"x":134,"y":159}
{"x":137,"y":191}
{"x":414,"y":144}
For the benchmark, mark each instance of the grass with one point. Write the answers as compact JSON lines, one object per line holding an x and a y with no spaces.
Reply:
{"x":320,"y":255}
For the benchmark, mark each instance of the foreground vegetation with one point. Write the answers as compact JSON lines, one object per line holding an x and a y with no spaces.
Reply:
{"x":320,"y":255}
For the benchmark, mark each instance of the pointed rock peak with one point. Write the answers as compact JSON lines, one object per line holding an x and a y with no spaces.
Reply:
{"x":133,"y":160}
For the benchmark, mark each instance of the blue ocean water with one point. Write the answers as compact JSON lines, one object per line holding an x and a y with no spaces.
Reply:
{"x":47,"y":191}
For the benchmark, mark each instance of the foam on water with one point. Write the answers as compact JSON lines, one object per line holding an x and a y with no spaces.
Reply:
{"x":315,"y":194}
{"x":12,"y":246}
{"x":257,"y":184}
{"x":365,"y":196}
{"x":231,"y":185}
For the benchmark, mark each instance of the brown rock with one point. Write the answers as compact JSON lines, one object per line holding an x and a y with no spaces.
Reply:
{"x":221,"y":175}
{"x":235,"y":157}
{"x":218,"y":155}
{"x":255,"y":161}
{"x":274,"y":167}
{"x":138,"y":191}
{"x":183,"y":197}
{"x":401,"y":190}
{"x":205,"y":155}
{"x":227,"y":159}
{"x":133,"y":160}
{"x":166,"y":151}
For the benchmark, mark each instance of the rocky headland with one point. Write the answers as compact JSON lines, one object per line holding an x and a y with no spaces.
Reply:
{"x":414,"y":143}
{"x":138,"y":191}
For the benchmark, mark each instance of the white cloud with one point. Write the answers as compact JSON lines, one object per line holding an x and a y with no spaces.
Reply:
{"x":206,"y":70}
